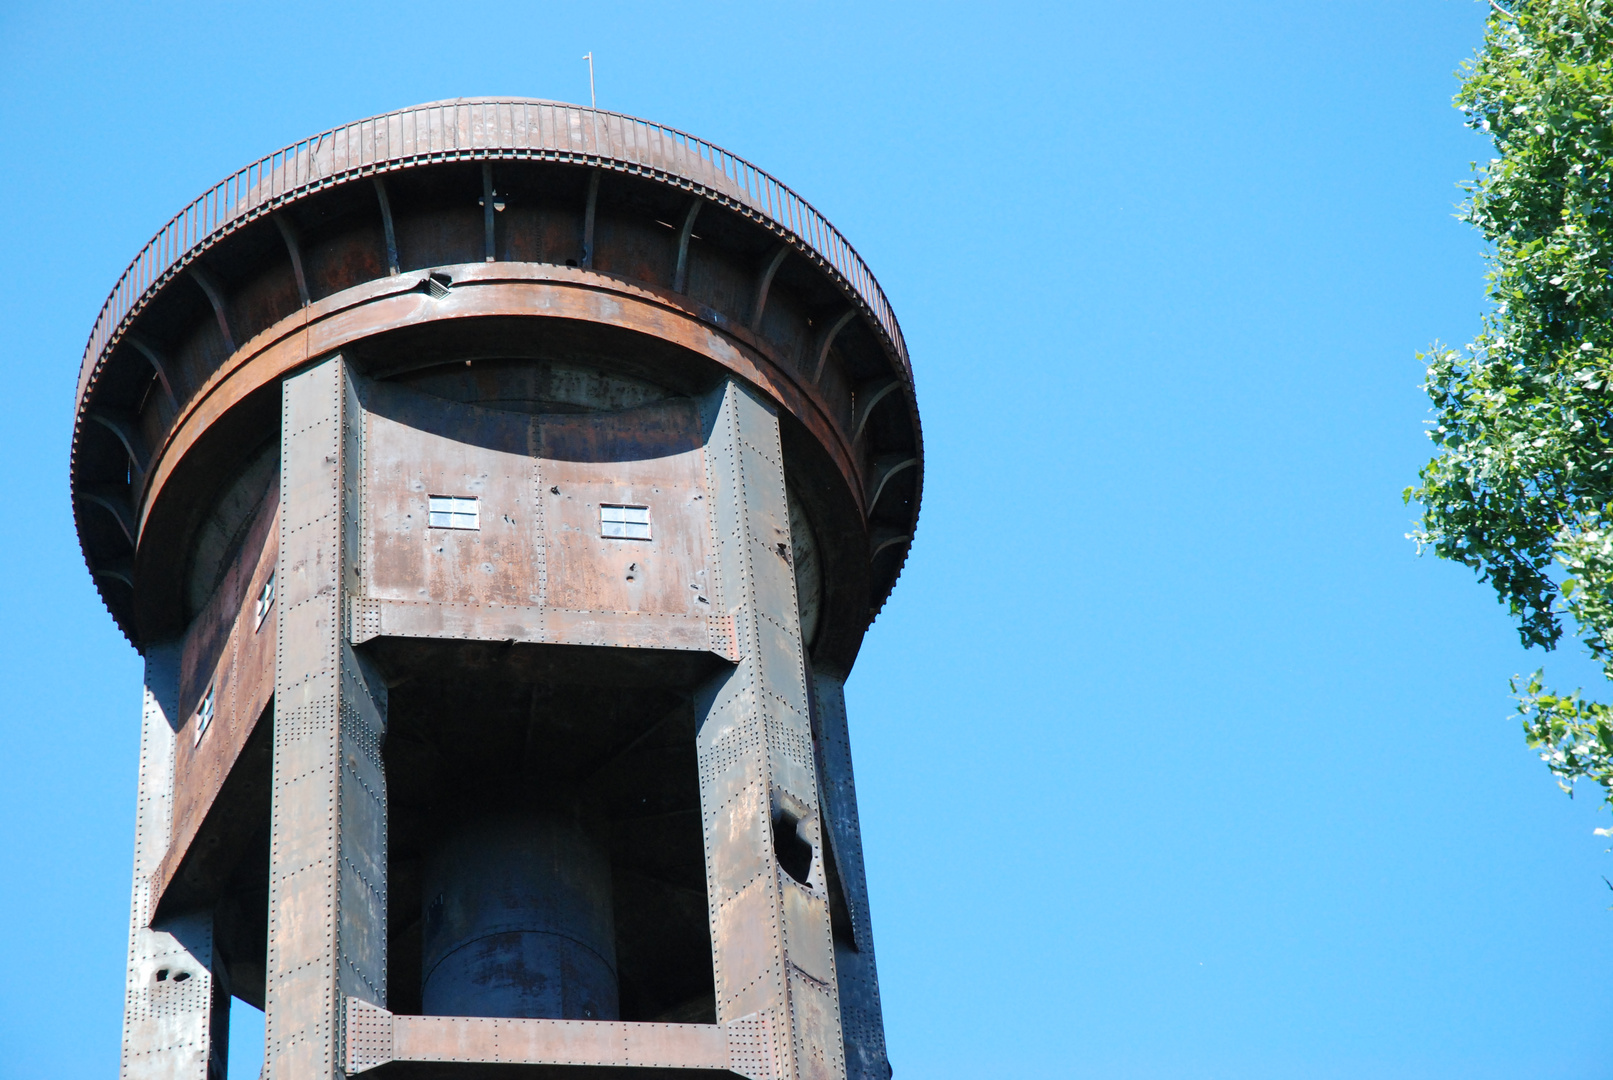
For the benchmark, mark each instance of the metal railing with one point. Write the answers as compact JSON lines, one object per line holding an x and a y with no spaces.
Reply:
{"x":484,"y":128}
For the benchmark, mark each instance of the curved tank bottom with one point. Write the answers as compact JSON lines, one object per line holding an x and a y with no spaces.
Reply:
{"x":518,"y":922}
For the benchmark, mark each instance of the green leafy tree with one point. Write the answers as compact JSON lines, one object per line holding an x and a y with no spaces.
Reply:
{"x":1520,"y":487}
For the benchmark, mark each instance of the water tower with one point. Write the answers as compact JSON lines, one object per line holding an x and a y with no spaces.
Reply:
{"x":498,"y":492}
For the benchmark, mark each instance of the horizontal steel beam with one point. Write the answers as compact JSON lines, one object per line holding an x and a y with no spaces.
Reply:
{"x":377,"y":1037}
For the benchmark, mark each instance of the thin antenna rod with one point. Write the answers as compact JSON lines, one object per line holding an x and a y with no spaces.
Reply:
{"x":593,"y":102}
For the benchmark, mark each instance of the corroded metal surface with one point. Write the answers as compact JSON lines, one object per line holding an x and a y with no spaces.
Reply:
{"x":742,"y":1047}
{"x":283,"y":281}
{"x":479,"y":128}
{"x":772,"y":949}
{"x":861,"y":1015}
{"x":328,"y":869}
{"x":499,"y":462}
{"x":537,"y":570}
{"x":504,"y":934}
{"x":172,"y":1023}
{"x":226,"y":685}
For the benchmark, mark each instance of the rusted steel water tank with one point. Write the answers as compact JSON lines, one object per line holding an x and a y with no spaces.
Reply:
{"x":498,"y":492}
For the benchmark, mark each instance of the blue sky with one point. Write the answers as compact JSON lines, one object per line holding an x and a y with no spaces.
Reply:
{"x":1174,"y":760}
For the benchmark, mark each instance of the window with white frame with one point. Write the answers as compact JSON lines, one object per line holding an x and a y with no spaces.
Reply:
{"x":624,"y":522}
{"x":455,"y":512}
{"x":204,"y":714}
{"x":260,"y":610}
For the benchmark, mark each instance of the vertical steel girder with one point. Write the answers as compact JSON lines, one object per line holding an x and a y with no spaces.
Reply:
{"x":772,"y":947}
{"x":861,"y":1017}
{"x":176,"y":1007}
{"x":327,"y":874}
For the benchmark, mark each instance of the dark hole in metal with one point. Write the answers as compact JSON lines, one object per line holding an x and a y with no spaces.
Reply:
{"x":182,"y":976}
{"x":794,"y":854}
{"x":162,"y":974}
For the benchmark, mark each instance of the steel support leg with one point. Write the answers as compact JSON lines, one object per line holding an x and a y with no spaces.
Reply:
{"x":860,"y":1012}
{"x":175,"y":1010}
{"x":772,"y":946}
{"x":327,"y":863}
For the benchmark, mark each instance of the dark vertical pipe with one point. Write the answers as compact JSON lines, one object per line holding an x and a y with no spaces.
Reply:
{"x":517,"y":921}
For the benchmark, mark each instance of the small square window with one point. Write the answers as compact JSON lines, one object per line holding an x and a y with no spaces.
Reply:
{"x":455,"y":512}
{"x":624,"y":522}
{"x":260,"y":611}
{"x":204,"y":715}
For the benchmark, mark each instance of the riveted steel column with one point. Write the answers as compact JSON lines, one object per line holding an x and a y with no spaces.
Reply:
{"x":772,"y":947}
{"x":327,"y":863}
{"x":175,"y":1012}
{"x":860,"y":1014}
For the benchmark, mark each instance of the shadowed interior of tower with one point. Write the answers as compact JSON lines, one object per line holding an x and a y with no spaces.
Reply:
{"x":497,"y":762}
